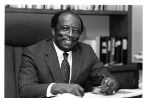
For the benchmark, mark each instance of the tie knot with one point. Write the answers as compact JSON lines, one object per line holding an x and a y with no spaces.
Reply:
{"x":65,"y":55}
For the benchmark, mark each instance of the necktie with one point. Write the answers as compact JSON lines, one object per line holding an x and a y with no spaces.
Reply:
{"x":65,"y":68}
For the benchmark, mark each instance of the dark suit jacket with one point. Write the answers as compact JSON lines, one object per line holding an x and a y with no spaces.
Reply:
{"x":40,"y":67}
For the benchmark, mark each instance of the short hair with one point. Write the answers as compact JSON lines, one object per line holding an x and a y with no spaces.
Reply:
{"x":54,"y":20}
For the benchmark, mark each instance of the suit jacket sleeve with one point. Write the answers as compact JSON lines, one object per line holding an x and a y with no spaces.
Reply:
{"x":29,"y":85}
{"x":97,"y":73}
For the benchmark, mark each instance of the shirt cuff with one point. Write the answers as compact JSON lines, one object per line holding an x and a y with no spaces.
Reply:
{"x":48,"y":93}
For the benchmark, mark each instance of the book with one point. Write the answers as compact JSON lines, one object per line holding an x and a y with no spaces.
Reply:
{"x":124,"y":50}
{"x":118,"y":57}
{"x":103,"y":50}
{"x":108,"y":49}
{"x":119,"y":50}
{"x":112,"y":50}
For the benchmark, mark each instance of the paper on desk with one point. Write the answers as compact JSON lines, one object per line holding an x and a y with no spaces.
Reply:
{"x":122,"y":93}
{"x":66,"y":95}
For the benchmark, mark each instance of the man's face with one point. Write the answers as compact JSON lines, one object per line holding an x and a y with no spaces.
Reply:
{"x":67,"y":32}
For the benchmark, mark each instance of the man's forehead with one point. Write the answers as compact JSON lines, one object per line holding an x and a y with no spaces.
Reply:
{"x":67,"y":16}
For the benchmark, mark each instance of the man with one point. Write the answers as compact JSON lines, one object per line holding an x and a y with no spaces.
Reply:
{"x":62,"y":65}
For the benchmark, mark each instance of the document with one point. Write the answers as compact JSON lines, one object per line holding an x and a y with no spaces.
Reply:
{"x":67,"y":95}
{"x":122,"y":93}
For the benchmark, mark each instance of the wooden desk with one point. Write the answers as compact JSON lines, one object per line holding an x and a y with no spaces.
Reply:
{"x":127,"y":75}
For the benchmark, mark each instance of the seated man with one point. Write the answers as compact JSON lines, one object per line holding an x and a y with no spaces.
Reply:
{"x":63,"y":65}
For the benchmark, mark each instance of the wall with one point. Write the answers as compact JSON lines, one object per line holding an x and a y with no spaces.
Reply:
{"x":95,"y":25}
{"x":137,"y":32}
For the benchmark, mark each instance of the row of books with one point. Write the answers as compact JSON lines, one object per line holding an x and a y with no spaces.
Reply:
{"x":73,"y":7}
{"x":110,"y":50}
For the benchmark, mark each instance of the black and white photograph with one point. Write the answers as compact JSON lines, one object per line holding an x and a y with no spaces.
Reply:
{"x":73,"y":51}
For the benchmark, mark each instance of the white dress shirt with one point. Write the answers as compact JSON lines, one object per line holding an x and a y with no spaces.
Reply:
{"x":60,"y":59}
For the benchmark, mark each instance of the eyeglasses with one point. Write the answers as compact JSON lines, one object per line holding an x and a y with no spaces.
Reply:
{"x":65,"y":28}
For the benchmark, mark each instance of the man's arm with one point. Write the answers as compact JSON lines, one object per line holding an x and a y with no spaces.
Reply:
{"x":100,"y":73}
{"x":29,"y":85}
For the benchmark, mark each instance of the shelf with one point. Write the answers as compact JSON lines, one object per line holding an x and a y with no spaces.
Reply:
{"x":47,"y":11}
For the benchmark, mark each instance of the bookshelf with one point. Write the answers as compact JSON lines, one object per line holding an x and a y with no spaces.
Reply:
{"x":122,"y":26}
{"x":79,"y":12}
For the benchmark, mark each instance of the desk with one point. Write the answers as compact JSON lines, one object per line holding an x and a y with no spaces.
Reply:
{"x":127,"y":75}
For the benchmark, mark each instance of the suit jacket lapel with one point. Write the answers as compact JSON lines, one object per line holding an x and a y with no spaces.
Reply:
{"x":52,"y":61}
{"x":76,"y":65}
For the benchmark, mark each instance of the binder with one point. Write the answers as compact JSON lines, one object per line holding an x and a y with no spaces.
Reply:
{"x":124,"y":50}
{"x":103,"y":50}
{"x":112,"y":50}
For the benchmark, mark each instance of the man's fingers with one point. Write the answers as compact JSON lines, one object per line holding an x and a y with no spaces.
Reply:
{"x":81,"y":90}
{"x":77,"y":92}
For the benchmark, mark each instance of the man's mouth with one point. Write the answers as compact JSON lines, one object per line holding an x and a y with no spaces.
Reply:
{"x":67,"y":42}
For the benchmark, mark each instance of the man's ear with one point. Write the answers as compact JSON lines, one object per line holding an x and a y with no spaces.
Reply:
{"x":53,"y":31}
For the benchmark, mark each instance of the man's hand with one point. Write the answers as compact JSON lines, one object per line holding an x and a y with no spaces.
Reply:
{"x":108,"y":86}
{"x":60,"y":88}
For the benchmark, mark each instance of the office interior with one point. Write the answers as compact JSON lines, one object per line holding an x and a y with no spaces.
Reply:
{"x":24,"y":27}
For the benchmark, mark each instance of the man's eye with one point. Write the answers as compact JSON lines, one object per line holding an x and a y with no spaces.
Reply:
{"x":76,"y":31}
{"x":64,"y":28}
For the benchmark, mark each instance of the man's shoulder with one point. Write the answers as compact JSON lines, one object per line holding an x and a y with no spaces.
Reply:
{"x":84,"y":48}
{"x":83,"y":45}
{"x":39,"y":45}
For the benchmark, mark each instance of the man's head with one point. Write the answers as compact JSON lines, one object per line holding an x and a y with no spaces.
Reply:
{"x":66,"y":28}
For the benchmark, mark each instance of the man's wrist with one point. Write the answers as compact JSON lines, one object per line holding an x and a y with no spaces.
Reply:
{"x":49,"y":93}
{"x":54,"y":89}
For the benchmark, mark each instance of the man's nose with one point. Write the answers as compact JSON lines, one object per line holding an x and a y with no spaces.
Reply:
{"x":71,"y":32}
